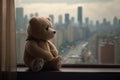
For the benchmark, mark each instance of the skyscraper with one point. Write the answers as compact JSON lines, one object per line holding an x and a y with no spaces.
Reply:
{"x":31,"y":15}
{"x":19,"y":18}
{"x":36,"y":14}
{"x":52,"y":17}
{"x":115,"y":21}
{"x":119,"y":22}
{"x":86,"y":21}
{"x":97,"y":25}
{"x":67,"y":20}
{"x":60,"y":19}
{"x":72,"y":21}
{"x":80,"y":15}
{"x":25,"y":22}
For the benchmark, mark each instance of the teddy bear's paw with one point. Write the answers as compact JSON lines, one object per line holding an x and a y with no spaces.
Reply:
{"x":57,"y":62}
{"x":58,"y":59}
{"x":37,"y":64}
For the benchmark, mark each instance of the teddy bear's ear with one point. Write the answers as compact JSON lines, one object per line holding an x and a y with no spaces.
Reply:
{"x":33,"y":21}
{"x":49,"y":19}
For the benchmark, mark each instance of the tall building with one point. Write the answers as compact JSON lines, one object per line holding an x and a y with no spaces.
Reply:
{"x":31,"y":15}
{"x":115,"y":21}
{"x":19,"y":18}
{"x":67,"y":20}
{"x":108,"y":49}
{"x":52,"y":17}
{"x":86,"y":21}
{"x":20,"y":44}
{"x":97,"y":25}
{"x":119,"y":23}
{"x":25,"y":22}
{"x":105,"y":22}
{"x":80,"y":15}
{"x":107,"y":54}
{"x":60,"y":19}
{"x":72,"y":21}
{"x":91,"y":26}
{"x":36,"y":14}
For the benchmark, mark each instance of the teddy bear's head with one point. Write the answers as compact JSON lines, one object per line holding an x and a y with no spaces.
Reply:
{"x":41,"y":28}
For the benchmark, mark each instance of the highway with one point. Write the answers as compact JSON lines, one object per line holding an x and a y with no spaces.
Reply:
{"x":73,"y":55}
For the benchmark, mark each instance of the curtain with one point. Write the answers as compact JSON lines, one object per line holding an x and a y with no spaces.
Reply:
{"x":7,"y":39}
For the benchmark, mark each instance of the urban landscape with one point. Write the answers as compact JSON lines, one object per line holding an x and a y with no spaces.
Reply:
{"x":81,"y":42}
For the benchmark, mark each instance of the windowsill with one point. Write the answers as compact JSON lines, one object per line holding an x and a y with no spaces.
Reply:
{"x":80,"y":68}
{"x":70,"y":74}
{"x":24,"y":69}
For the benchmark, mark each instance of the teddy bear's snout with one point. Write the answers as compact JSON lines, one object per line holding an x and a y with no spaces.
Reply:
{"x":54,"y":32}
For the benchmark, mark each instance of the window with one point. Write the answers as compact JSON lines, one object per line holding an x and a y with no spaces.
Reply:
{"x":87,"y":30}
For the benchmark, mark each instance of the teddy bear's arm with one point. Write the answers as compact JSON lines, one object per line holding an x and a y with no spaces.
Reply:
{"x":35,"y":51}
{"x":53,"y":49}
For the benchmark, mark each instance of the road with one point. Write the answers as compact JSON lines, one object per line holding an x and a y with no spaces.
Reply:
{"x":73,"y":55}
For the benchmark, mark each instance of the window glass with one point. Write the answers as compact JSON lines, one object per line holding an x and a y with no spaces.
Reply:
{"x":87,"y":30}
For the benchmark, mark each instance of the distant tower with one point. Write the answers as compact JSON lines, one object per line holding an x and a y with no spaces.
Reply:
{"x":104,"y":22}
{"x":36,"y":14}
{"x":91,"y":23}
{"x":31,"y":15}
{"x":97,"y":23}
{"x":67,"y":20}
{"x":19,"y":18}
{"x":119,"y":22}
{"x":25,"y":22}
{"x":86,"y":21}
{"x":80,"y":15}
{"x":60,"y":19}
{"x":52,"y":17}
{"x":72,"y":20}
{"x":115,"y":21}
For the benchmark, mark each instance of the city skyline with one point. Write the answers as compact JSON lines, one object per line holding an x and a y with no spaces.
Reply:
{"x":66,"y":18}
{"x":94,"y":10}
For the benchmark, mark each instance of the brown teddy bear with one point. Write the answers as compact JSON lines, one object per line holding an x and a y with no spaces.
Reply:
{"x":40,"y":53}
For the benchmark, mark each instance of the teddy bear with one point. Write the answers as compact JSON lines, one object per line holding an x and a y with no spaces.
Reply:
{"x":40,"y":53}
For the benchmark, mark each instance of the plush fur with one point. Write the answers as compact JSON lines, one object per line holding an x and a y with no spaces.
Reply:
{"x":40,"y":53}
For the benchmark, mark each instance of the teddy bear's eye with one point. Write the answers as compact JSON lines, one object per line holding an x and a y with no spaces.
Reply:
{"x":47,"y":28}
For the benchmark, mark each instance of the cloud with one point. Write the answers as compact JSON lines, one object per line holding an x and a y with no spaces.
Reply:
{"x":18,"y":2}
{"x":63,"y":1}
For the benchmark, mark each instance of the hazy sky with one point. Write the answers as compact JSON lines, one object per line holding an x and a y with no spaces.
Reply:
{"x":94,"y":9}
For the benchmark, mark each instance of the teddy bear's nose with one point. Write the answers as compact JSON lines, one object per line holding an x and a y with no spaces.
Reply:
{"x":54,"y":32}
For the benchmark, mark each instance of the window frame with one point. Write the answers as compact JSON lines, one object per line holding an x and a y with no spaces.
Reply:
{"x":83,"y":65}
{"x":58,"y":75}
